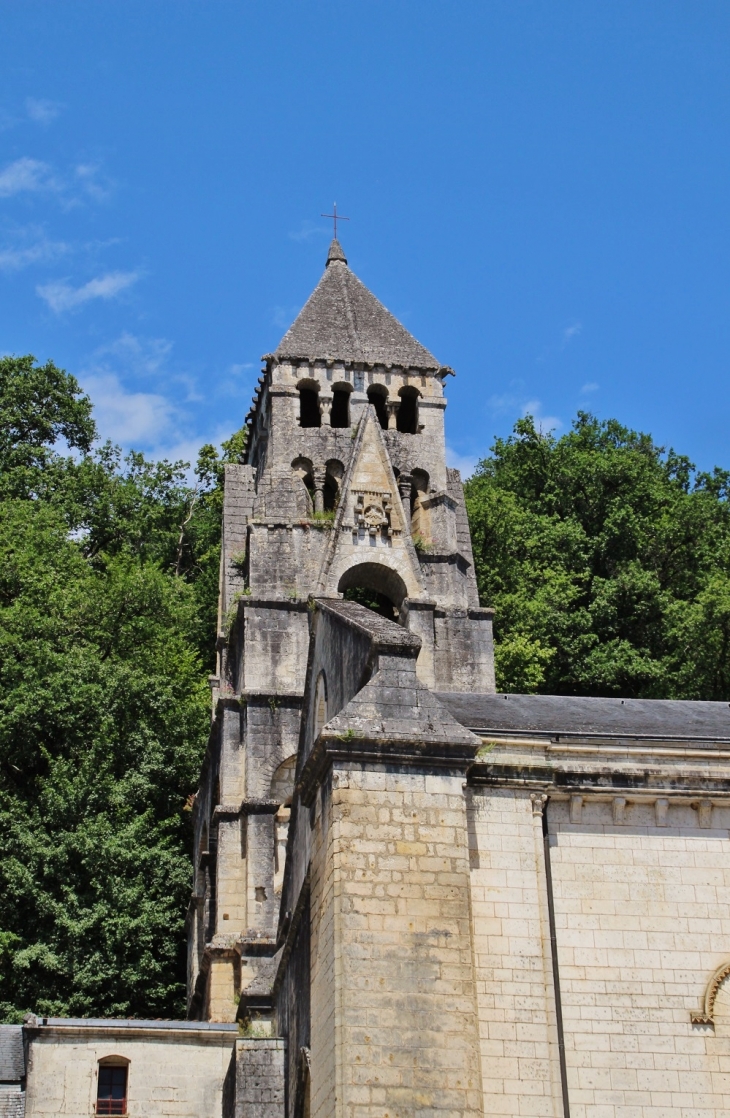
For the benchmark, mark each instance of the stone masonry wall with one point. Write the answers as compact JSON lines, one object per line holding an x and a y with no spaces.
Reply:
{"x":641,"y":894}
{"x":176,"y":1075}
{"x":326,"y":962}
{"x":259,"y":1072}
{"x":396,"y":1033}
{"x":642,"y":910}
{"x":520,"y":1071}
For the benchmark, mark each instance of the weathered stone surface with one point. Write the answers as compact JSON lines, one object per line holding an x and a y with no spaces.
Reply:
{"x":175,"y":1068}
{"x":258,"y":1068}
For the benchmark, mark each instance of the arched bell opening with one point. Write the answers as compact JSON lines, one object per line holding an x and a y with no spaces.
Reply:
{"x":334,"y":471}
{"x":407,"y":419}
{"x":377,"y":396}
{"x":309,"y":413}
{"x":375,"y":586}
{"x":340,"y":413}
{"x":420,"y":517}
{"x":304,"y":470}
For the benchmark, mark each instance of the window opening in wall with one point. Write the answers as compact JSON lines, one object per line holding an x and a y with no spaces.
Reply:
{"x":407,"y":420}
{"x":309,"y":415}
{"x":376,"y":396}
{"x":302,"y":467}
{"x":330,"y":494}
{"x":340,"y":414}
{"x":420,"y":518}
{"x":334,"y":471}
{"x":111,"y":1096}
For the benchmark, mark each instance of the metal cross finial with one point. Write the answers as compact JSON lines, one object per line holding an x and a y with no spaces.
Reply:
{"x":335,"y":217}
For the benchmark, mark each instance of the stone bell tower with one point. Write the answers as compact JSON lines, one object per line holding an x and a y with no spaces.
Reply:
{"x":345,"y":490}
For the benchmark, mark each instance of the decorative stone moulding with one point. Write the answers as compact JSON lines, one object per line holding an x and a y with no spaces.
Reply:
{"x":373,"y":511}
{"x":706,"y":1014}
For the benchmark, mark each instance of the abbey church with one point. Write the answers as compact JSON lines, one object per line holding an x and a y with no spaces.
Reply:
{"x":413,"y":897}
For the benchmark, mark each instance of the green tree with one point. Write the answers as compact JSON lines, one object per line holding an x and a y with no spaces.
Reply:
{"x":607,"y":561}
{"x":108,"y":593}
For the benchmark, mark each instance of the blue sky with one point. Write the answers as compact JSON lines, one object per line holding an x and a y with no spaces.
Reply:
{"x":538,"y":190}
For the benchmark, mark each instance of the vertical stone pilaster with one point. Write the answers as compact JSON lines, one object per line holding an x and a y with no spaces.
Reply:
{"x":222,"y":992}
{"x":394,"y":1025}
{"x":538,"y":803}
{"x":259,"y":1078}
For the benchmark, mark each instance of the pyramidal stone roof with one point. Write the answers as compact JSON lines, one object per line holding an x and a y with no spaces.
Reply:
{"x":343,"y":321}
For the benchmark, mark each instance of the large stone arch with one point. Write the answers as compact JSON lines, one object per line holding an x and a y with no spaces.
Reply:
{"x":386,"y":576}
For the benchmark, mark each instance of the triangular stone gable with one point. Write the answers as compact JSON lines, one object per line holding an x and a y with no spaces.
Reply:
{"x":370,"y":525}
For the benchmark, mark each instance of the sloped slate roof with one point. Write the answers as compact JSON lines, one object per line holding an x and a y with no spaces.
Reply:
{"x":562,"y":714}
{"x":12,"y":1058}
{"x":343,"y":321}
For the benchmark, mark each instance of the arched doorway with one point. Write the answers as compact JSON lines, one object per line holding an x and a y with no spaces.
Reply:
{"x":376,"y":586}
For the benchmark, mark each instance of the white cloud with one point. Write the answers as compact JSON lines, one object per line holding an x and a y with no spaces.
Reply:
{"x":283,"y":317}
{"x":26,"y":174}
{"x":186,"y":449}
{"x":93,"y":182}
{"x":61,"y":296}
{"x":464,"y":463}
{"x":543,"y":423}
{"x":238,"y":380}
{"x":129,"y":418}
{"x":571,"y":332}
{"x":590,"y":387}
{"x":28,"y":251}
{"x":86,"y":181}
{"x":307,"y":230}
{"x":140,"y":355}
{"x":503,"y":403}
{"x":42,"y":110}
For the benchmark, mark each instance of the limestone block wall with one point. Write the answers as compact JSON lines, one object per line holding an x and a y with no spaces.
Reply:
{"x":232,"y":910}
{"x":285,"y":558}
{"x":326,"y":965}
{"x":274,"y":645}
{"x":464,"y":650}
{"x":642,"y":910}
{"x":641,"y":901}
{"x":518,"y":1040}
{"x":173,"y":1071}
{"x":258,"y":1072}
{"x":394,"y":1025}
{"x":238,"y":501}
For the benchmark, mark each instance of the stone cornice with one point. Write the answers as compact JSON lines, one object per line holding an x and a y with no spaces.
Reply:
{"x":432,"y":753}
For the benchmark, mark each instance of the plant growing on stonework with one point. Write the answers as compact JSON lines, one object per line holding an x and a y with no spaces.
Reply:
{"x":238,"y":560}
{"x":420,"y":543}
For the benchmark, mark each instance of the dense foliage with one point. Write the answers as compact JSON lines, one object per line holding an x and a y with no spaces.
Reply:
{"x":108,"y":589}
{"x":607,"y":561}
